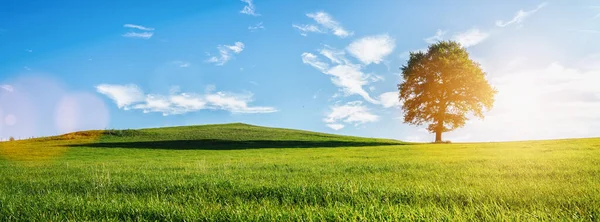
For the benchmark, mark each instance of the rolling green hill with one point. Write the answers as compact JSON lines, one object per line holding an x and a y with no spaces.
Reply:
{"x":222,"y":136}
{"x":221,"y":173}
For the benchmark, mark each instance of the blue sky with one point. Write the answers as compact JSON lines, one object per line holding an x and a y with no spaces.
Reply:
{"x":329,"y":66}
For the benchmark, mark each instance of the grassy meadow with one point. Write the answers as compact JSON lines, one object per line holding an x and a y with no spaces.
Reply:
{"x":238,"y":172}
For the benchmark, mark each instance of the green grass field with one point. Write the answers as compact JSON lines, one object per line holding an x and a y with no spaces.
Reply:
{"x":238,"y":172}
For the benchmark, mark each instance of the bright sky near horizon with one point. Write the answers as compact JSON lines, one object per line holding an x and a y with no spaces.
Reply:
{"x":329,"y":66}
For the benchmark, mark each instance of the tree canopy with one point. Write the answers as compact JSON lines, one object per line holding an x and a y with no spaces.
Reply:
{"x":442,"y":86}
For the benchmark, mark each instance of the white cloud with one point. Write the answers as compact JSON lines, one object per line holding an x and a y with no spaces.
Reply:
{"x":335,"y":126}
{"x":376,"y":78}
{"x":351,"y":79}
{"x":8,"y":88}
{"x":256,"y":27}
{"x":471,"y":37}
{"x":123,"y":95}
{"x":249,"y":9}
{"x":439,"y":36}
{"x":520,"y":17}
{"x":336,"y":56}
{"x":389,"y":99}
{"x":138,"y":27}
{"x":235,"y":103}
{"x":349,"y":113}
{"x":372,"y":49}
{"x":131,"y":97}
{"x":467,"y":38}
{"x":348,"y":76}
{"x":225,"y":53}
{"x":345,"y":75}
{"x":311,"y":59}
{"x":143,"y":35}
{"x":305,"y":29}
{"x":237,"y":47}
{"x":327,"y":22}
{"x":157,"y":103}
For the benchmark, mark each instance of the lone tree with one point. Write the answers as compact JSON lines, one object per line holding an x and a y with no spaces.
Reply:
{"x":443,"y":85}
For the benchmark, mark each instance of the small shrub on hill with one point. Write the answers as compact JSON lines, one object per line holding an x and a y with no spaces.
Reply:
{"x":127,"y":132}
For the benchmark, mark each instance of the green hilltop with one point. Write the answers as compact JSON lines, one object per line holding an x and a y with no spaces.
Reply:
{"x":221,"y":136}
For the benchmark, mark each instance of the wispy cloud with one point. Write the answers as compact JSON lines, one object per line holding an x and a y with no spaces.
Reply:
{"x":350,"y":113}
{"x":349,"y":76}
{"x":439,"y":36}
{"x":470,"y":37}
{"x":372,"y":49}
{"x":143,"y":35}
{"x":8,"y":88}
{"x":344,"y":74}
{"x":131,"y":97}
{"x":225,"y":53}
{"x":181,"y":64}
{"x":520,"y":17}
{"x":258,"y":26}
{"x":249,"y":9}
{"x":28,"y":50}
{"x":305,"y":29}
{"x":326,"y":22}
{"x":138,"y":27}
{"x":467,"y":38}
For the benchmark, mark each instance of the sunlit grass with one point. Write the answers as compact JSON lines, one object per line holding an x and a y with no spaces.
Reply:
{"x":538,"y":180}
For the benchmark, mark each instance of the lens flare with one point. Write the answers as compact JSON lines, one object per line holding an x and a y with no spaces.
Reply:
{"x":39,"y":107}
{"x":81,"y":111}
{"x":10,"y":120}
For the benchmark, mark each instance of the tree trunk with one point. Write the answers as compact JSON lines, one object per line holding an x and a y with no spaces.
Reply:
{"x":440,"y":123}
{"x":439,"y":129}
{"x":438,"y":136}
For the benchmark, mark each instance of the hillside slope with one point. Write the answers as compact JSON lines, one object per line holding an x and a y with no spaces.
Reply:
{"x":220,"y":136}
